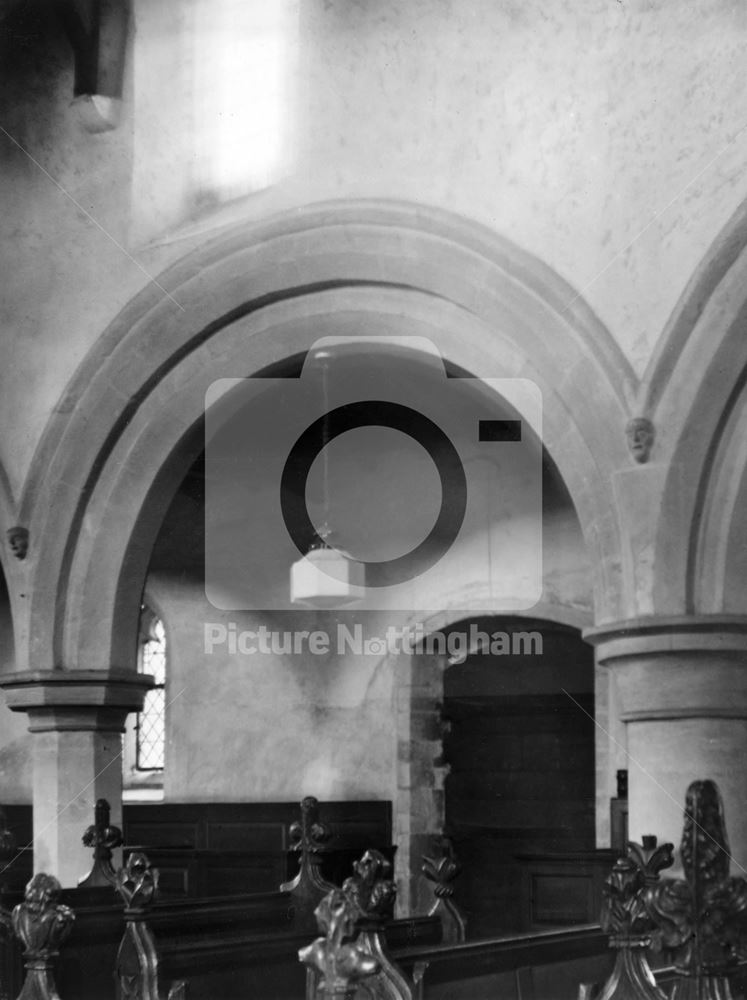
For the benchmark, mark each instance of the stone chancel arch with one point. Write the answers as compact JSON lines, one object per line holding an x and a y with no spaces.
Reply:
{"x":246,"y":301}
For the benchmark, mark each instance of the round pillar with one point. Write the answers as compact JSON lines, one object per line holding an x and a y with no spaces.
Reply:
{"x":681,"y":684}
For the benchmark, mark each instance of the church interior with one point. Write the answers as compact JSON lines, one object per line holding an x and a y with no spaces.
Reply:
{"x":224,"y":220}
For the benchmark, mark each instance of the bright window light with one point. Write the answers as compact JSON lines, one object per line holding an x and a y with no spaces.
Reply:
{"x":244,"y":61}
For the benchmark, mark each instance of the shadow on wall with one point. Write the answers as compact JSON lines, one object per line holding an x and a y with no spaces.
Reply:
{"x":15,"y":740}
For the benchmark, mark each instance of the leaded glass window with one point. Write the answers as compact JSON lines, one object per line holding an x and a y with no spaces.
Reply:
{"x":151,"y":722}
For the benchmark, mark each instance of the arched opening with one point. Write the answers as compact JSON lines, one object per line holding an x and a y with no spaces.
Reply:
{"x":263,"y":294}
{"x":343,"y":738}
{"x":250,"y":301}
{"x":518,"y":711}
{"x":486,"y":704}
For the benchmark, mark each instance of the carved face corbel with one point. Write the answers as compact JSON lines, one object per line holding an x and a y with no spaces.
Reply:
{"x":18,"y":539}
{"x":640,"y":434}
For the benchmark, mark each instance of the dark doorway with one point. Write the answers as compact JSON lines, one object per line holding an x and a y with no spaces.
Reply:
{"x":519,"y":742}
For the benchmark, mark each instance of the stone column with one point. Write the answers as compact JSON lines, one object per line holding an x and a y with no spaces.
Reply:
{"x":682,"y":690}
{"x":77,"y":717}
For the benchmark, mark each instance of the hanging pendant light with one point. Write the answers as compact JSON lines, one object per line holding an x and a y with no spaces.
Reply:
{"x":327,"y":576}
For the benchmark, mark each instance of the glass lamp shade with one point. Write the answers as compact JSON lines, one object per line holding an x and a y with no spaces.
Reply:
{"x":326,"y":578}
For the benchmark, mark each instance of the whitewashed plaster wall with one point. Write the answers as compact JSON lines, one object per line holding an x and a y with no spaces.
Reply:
{"x":15,"y":756}
{"x":602,"y":137}
{"x":256,"y":726}
{"x":264,"y":727}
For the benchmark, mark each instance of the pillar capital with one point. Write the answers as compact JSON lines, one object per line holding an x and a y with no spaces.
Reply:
{"x":76,"y":700}
{"x":677,"y":667}
{"x":667,"y":633}
{"x":679,"y":685}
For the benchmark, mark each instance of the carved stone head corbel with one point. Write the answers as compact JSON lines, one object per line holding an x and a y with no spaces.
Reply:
{"x":18,"y":539}
{"x":640,"y":434}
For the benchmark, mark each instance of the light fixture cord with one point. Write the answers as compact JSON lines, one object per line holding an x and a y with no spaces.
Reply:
{"x":325,"y":531}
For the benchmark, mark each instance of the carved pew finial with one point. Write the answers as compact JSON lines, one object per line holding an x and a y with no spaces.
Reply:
{"x":339,"y":961}
{"x":372,"y":893}
{"x":309,"y":838}
{"x":701,"y":919}
{"x":625,"y":918}
{"x":371,"y":888}
{"x":368,"y":896}
{"x":136,"y":969}
{"x":442,"y":871}
{"x":103,"y":838}
{"x":41,"y":924}
{"x":137,"y":883}
{"x":310,"y":834}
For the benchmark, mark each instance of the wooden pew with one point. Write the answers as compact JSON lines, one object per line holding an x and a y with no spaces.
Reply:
{"x":698,"y":923}
{"x":224,"y":848}
{"x":521,"y":967}
{"x":545,"y":965}
{"x":227,"y":944}
{"x":246,"y":946}
{"x":239,"y":947}
{"x":228,"y":961}
{"x":233,"y":848}
{"x":229,"y":948}
{"x":41,"y":923}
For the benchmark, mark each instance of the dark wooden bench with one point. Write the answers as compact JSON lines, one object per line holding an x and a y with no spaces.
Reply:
{"x":223,"y":848}
{"x":240,"y":946}
{"x":233,"y":848}
{"x":224,"y":946}
{"x":230,"y":948}
{"x":545,"y":965}
{"x":235,"y":947}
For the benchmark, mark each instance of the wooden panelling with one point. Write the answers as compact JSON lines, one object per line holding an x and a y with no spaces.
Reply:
{"x":250,"y":827}
{"x":19,"y":869}
{"x":229,"y":848}
{"x":545,"y":966}
{"x":216,"y":848}
{"x":563,"y":889}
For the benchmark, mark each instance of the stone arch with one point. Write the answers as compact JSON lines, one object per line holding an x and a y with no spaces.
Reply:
{"x":695,"y":392}
{"x":244,"y":301}
{"x":717,"y":568}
